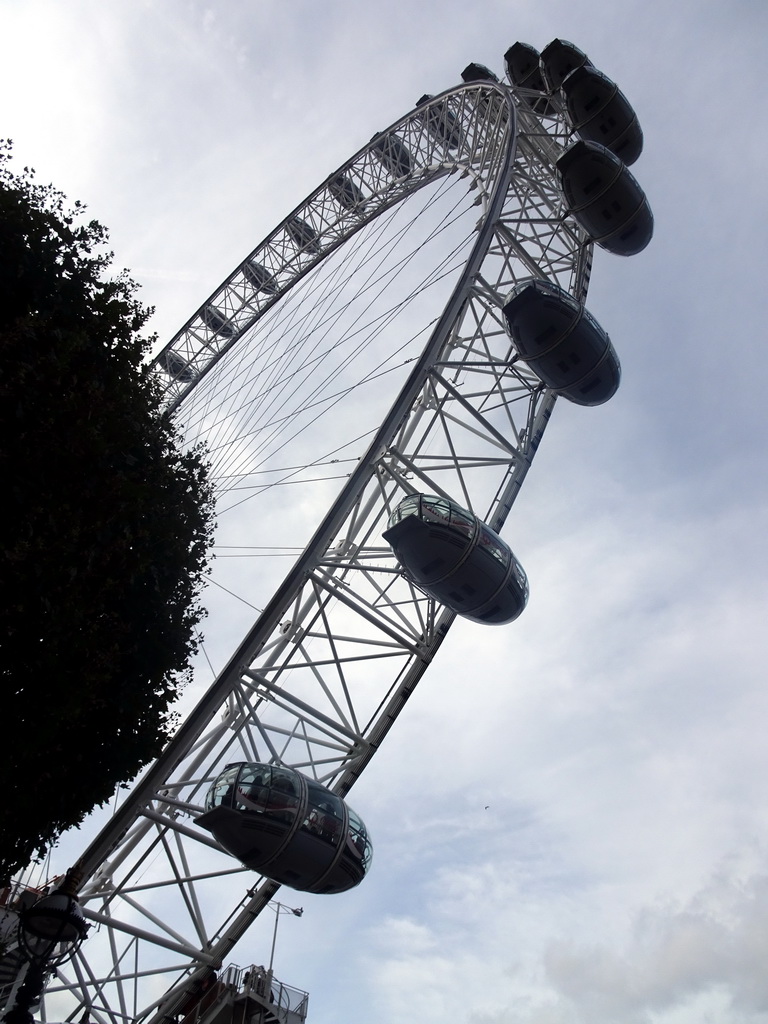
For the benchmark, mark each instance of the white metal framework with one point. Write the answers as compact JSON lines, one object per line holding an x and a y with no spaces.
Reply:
{"x":339,"y":647}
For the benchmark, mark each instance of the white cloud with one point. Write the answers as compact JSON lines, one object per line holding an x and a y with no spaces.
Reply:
{"x":708,"y":952}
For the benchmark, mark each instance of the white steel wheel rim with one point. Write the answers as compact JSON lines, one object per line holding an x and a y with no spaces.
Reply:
{"x":345,"y":595}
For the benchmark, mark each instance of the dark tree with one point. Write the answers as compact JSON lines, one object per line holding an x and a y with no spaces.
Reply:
{"x":108,"y":523}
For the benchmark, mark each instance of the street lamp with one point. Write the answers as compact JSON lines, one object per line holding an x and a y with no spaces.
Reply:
{"x":52,"y":929}
{"x":280,"y":908}
{"x":49,"y":932}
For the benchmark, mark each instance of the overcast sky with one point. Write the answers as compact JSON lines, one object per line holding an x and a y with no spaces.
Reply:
{"x":571,"y":816}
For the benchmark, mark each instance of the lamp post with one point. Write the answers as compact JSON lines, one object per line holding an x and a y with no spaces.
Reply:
{"x":280,"y":908}
{"x":49,"y":932}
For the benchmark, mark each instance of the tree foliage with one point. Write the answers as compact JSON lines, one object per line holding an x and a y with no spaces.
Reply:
{"x":108,"y":524}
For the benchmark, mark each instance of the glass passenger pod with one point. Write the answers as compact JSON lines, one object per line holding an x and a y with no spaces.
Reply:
{"x":303,"y":235}
{"x":393,"y":154}
{"x":457,"y":559}
{"x":215,"y":321}
{"x":347,"y":194}
{"x":441,"y":123}
{"x":561,"y":342}
{"x":478,"y":73}
{"x":604,"y":197}
{"x":288,"y":827}
{"x":600,"y":112}
{"x":260,"y":278}
{"x":486,"y":101}
{"x":177,"y":366}
{"x":558,"y":60}
{"x":524,"y":71}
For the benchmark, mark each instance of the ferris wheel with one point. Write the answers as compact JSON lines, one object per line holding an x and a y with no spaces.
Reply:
{"x":372,"y":383}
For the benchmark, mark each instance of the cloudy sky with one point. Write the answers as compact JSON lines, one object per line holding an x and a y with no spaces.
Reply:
{"x":571,"y":817}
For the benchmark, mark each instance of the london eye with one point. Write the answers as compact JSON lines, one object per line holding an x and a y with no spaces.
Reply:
{"x":372,"y":382}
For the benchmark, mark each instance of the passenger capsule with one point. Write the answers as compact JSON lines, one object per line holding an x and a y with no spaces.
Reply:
{"x":563,"y":345}
{"x":478,"y":73}
{"x":489,"y":103}
{"x":177,"y":366}
{"x":278,"y":822}
{"x":558,"y":60}
{"x":457,"y":559}
{"x":394,"y":155}
{"x":600,"y":112}
{"x":347,"y":193}
{"x":303,"y":235}
{"x":260,"y":278}
{"x":215,"y":320}
{"x":524,"y":71}
{"x":604,"y":197}
{"x":441,"y":123}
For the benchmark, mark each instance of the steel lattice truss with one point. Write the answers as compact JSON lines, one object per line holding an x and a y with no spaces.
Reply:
{"x":464,"y":131}
{"x":334,"y":656}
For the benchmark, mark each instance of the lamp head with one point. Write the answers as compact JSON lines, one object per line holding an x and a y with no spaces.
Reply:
{"x":52,"y":929}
